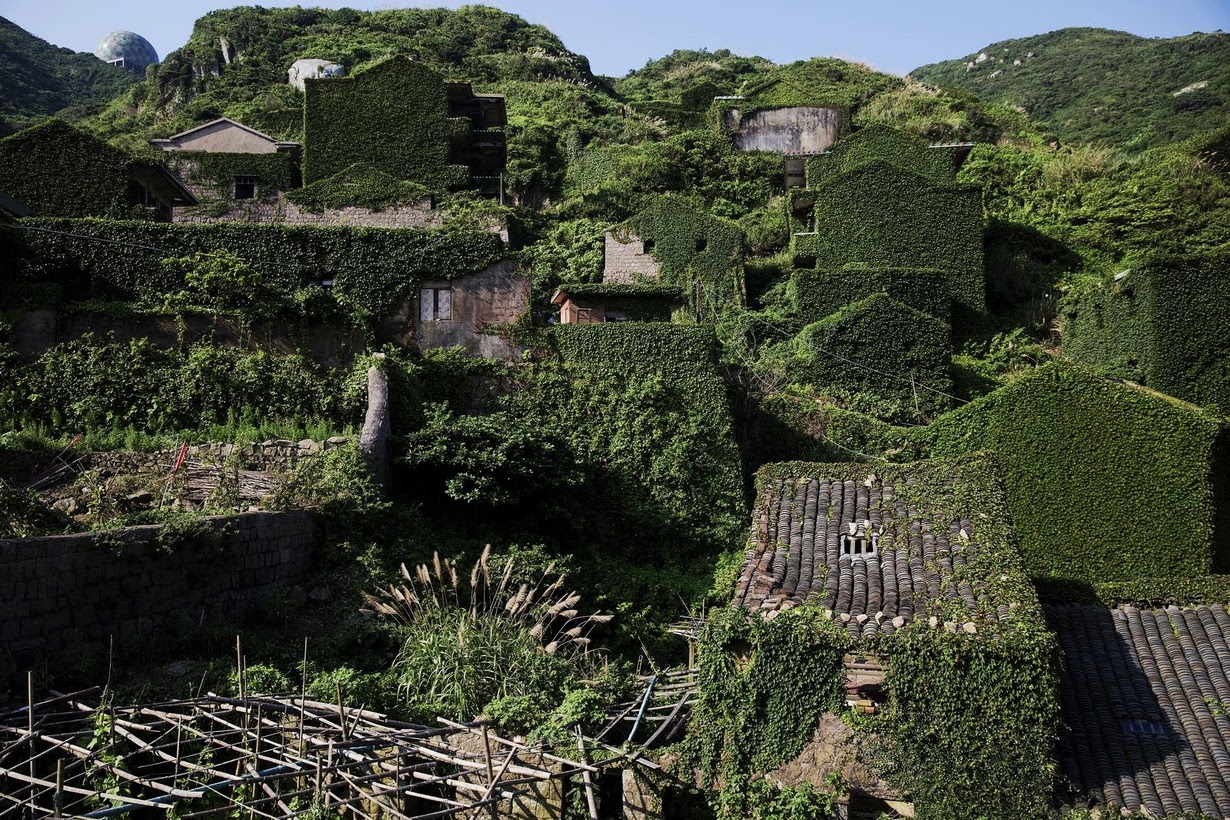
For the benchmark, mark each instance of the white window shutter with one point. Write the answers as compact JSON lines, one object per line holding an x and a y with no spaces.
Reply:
{"x":427,"y":304}
{"x":444,"y":304}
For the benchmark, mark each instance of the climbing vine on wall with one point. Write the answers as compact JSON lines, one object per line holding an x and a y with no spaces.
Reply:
{"x":1162,"y":324}
{"x":763,"y":687}
{"x":701,"y":254}
{"x":393,"y":116}
{"x":57,"y":170}
{"x":375,"y":269}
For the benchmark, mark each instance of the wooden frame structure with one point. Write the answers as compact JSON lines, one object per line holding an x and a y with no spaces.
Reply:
{"x":273,"y":757}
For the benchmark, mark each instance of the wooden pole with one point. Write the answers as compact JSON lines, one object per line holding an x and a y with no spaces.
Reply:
{"x":491,"y":809}
{"x":341,"y":711}
{"x":585,"y":775}
{"x":30,"y":737}
{"x":59,"y":787}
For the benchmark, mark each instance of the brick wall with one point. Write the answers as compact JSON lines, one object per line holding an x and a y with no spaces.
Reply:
{"x":627,"y":262}
{"x":74,"y":593}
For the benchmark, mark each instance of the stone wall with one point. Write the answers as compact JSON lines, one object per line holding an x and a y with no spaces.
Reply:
{"x":280,"y":212}
{"x":275,"y":455}
{"x":627,"y":262}
{"x":75,"y":593}
{"x":801,"y":130}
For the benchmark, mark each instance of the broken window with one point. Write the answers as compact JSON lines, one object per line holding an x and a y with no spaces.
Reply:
{"x":245,"y":187}
{"x":647,"y":246}
{"x":1143,"y":727}
{"x":859,"y":545}
{"x":435,"y":304}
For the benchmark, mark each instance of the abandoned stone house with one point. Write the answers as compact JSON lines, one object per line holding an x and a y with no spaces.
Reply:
{"x":876,"y":554}
{"x":617,"y":302}
{"x":467,"y":312}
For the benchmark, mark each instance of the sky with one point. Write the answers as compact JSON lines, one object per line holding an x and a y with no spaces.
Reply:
{"x":621,"y":35}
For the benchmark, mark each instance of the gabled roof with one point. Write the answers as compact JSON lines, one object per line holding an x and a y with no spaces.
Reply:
{"x":174,"y":138}
{"x":928,"y":525}
{"x":163,"y":184}
{"x":1145,"y":699}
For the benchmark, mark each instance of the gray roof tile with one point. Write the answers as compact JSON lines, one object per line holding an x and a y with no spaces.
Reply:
{"x":1145,"y":698}
{"x":796,"y":559}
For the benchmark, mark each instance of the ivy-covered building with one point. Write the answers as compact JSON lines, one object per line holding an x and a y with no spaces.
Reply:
{"x":1162,"y":324}
{"x":1105,"y":481}
{"x":882,"y":198}
{"x":407,"y":121}
{"x":226,"y":163}
{"x":57,"y":170}
{"x":895,"y":593}
{"x":676,"y":243}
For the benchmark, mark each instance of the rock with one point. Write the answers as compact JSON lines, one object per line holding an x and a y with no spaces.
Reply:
{"x":68,"y":506}
{"x":141,"y":498}
{"x":181,"y":668}
{"x":297,"y":596}
{"x":320,"y":595}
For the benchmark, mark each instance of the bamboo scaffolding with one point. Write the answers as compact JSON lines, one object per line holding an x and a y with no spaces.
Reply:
{"x":264,"y":756}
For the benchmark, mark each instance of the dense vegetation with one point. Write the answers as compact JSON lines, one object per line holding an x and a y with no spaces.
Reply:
{"x":1091,"y":85}
{"x":623,"y":454}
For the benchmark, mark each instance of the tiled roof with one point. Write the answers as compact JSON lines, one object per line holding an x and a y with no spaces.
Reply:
{"x":1145,"y":698}
{"x":795,"y":556}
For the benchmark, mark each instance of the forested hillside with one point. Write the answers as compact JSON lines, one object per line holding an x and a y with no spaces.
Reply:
{"x":1106,"y":87}
{"x":40,"y":80}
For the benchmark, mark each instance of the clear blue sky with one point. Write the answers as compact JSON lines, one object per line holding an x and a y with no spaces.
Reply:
{"x":621,"y":35}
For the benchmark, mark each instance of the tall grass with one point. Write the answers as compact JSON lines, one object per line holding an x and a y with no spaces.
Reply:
{"x":464,"y":646}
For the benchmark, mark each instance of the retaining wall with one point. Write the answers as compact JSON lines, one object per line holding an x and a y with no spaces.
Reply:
{"x":74,"y":593}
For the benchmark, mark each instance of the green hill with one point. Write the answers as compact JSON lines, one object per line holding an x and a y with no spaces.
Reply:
{"x":41,"y":79}
{"x":1096,"y":85}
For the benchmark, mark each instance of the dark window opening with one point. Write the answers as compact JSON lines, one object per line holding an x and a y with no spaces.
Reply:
{"x":1143,"y":727}
{"x":245,"y":187}
{"x":701,"y":244}
{"x":859,"y":546}
{"x":647,"y":246}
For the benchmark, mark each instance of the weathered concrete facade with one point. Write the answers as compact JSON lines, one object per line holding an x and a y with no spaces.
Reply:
{"x":224,"y":136}
{"x":801,"y":130}
{"x":77,"y":592}
{"x":628,"y":261}
{"x":461,"y":312}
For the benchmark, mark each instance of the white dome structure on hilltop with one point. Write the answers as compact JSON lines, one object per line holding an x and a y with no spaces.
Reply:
{"x":127,"y":50}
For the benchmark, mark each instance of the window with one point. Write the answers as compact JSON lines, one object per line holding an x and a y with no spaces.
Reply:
{"x":859,"y":546}
{"x":435,"y":304}
{"x":647,"y":246}
{"x":701,"y":244}
{"x":1142,"y":727}
{"x":245,"y":187}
